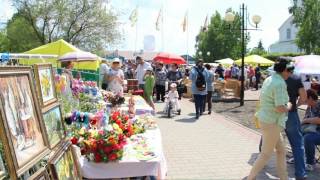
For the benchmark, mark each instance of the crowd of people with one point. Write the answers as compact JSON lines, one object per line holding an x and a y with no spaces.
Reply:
{"x":281,"y":94}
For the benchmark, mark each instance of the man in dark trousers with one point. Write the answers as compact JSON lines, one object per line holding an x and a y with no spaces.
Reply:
{"x":298,"y":96}
{"x":258,"y":76}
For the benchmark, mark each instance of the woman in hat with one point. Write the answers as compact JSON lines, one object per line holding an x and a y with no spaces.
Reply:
{"x":115,"y":77}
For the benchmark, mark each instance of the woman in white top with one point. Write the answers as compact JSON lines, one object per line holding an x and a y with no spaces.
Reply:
{"x":115,"y":78}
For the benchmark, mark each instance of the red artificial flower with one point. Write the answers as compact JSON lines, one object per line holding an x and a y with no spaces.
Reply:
{"x":112,"y":157}
{"x":93,"y":121}
{"x":116,"y":147}
{"x":126,"y":117}
{"x":107,"y":149}
{"x":97,"y":157}
{"x":74,"y":140}
{"x":100,"y":144}
{"x":114,"y":117}
{"x":118,"y":121}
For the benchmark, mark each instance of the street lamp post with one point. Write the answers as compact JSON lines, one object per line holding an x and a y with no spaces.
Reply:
{"x":244,"y":20}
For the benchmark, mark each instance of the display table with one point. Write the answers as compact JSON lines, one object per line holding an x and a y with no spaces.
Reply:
{"x":130,"y":165}
{"x":141,"y":106}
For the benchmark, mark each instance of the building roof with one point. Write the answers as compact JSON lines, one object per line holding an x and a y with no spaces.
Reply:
{"x":289,"y":20}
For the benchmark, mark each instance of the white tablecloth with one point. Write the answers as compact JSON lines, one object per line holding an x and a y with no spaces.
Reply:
{"x":129,"y":166}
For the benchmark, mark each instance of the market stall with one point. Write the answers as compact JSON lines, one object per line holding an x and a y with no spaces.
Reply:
{"x":76,"y":129}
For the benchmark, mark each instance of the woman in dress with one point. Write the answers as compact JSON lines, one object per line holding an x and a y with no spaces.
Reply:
{"x":116,"y":78}
{"x":272,"y":114}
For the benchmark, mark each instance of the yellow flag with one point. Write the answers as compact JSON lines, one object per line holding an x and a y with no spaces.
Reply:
{"x":158,"y":20}
{"x":134,"y":17}
{"x":184,"y":23}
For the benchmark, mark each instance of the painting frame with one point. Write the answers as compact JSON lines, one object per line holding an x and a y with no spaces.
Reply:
{"x":41,"y":173}
{"x":37,"y":69}
{"x":15,"y":169}
{"x":49,"y":109}
{"x":59,"y":154}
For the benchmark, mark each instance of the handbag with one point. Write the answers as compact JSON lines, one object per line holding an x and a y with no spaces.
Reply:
{"x":308,"y":128}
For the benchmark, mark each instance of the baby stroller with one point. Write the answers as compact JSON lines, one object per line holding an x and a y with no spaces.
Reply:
{"x":172,"y":102}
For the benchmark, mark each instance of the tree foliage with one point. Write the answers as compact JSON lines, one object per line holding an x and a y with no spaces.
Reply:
{"x":20,"y":35}
{"x":83,"y":23}
{"x":221,"y":39}
{"x":306,"y":17}
{"x":259,"y":50}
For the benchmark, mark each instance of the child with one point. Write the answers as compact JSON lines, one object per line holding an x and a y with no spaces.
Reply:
{"x":173,"y":96}
{"x":148,"y":86}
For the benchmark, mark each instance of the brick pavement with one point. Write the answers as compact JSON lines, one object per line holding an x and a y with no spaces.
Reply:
{"x":209,"y":148}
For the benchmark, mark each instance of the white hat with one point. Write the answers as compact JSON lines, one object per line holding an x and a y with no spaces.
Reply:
{"x":173,"y":85}
{"x":116,"y":60}
{"x":149,"y":68}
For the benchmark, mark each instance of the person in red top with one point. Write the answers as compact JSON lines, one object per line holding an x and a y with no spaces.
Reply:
{"x":251,"y":74}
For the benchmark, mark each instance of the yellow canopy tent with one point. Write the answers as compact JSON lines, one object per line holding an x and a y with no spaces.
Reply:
{"x":59,"y":48}
{"x":255,"y":60}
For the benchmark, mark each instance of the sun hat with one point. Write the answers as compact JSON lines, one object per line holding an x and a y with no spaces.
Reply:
{"x":116,"y":60}
{"x":149,"y":69}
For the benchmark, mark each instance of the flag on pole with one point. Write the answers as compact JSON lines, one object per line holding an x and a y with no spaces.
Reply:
{"x":134,"y":17}
{"x":158,"y":20}
{"x":205,"y":25}
{"x":184,"y":23}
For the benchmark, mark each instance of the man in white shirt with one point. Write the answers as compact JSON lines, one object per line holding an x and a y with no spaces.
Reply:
{"x":141,"y":70}
{"x":103,"y":71}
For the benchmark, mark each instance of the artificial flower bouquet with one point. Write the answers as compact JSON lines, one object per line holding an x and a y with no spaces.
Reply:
{"x":123,"y":121}
{"x":100,"y":145}
{"x":114,"y":99}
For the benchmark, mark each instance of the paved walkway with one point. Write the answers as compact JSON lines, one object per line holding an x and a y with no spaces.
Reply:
{"x":209,"y":148}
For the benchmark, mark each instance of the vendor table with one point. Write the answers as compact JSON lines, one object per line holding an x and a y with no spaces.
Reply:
{"x":141,"y":106}
{"x":130,"y":165}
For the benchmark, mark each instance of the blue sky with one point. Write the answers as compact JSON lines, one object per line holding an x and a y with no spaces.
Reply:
{"x":273,"y":13}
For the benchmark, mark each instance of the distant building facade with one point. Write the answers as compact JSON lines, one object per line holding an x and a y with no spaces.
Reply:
{"x":287,"y":37}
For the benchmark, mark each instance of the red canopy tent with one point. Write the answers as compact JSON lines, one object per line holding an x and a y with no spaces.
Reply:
{"x":168,"y":58}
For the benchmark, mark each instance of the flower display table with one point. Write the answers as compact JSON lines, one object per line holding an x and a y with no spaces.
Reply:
{"x":143,"y":156}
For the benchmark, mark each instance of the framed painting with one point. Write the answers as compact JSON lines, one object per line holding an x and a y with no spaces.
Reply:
{"x":41,"y":174}
{"x":45,"y":83}
{"x":23,"y":136}
{"x":64,"y":165}
{"x":52,"y":118}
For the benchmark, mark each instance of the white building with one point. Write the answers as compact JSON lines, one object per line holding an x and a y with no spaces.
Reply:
{"x":287,"y":36}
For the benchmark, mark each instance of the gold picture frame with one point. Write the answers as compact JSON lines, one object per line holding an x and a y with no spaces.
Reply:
{"x":54,"y":126}
{"x":65,"y":164}
{"x":41,"y":174}
{"x":22,"y":130}
{"x":45,"y":83}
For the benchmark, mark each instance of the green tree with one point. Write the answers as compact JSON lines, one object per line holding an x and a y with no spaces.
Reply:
{"x":3,"y":41}
{"x":306,"y":17}
{"x":20,"y":35}
{"x":84,"y":23}
{"x":259,"y":50}
{"x":221,"y":39}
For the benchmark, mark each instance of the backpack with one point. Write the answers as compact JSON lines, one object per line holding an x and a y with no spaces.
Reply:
{"x":200,"y":81}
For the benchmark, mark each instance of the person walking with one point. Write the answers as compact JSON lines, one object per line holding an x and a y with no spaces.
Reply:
{"x":199,"y":77}
{"x":296,"y":92}
{"x":103,"y":71}
{"x":209,"y":89}
{"x":235,"y":71}
{"x":161,"y":77}
{"x":251,"y":74}
{"x":257,"y":74}
{"x":272,"y":115}
{"x":141,"y":71}
{"x":220,"y":71}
